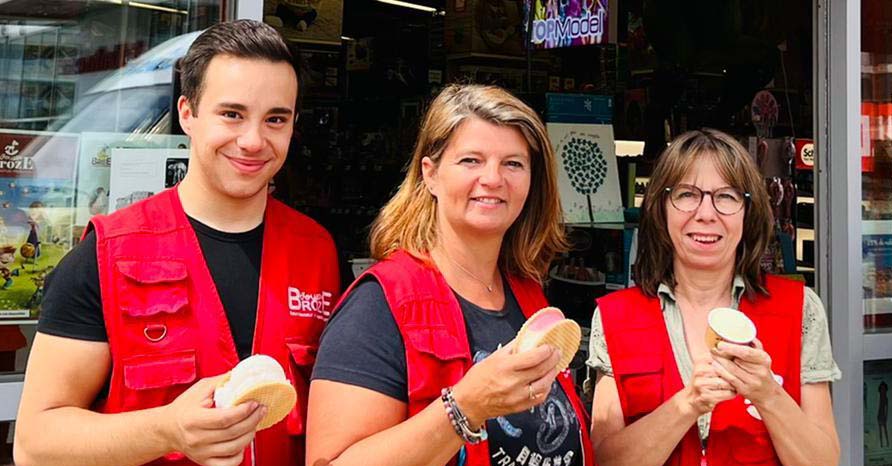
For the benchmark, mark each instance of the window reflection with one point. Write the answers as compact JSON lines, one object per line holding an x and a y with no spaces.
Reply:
{"x":876,"y":162}
{"x":78,"y":79}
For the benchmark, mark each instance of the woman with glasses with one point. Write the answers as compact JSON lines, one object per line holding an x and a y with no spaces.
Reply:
{"x":662,"y":396}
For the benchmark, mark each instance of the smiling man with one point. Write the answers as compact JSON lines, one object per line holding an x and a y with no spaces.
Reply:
{"x":141,"y":319}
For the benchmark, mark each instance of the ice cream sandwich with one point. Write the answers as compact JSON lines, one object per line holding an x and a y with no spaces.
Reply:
{"x":548,"y":326}
{"x":259,"y":378}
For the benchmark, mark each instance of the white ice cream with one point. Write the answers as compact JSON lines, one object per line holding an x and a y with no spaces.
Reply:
{"x":732,"y":325}
{"x":252,"y":371}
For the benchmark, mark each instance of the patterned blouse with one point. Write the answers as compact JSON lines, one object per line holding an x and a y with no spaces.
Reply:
{"x":817,"y":358}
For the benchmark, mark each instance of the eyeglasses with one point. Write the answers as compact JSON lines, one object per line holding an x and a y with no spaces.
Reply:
{"x":726,"y":201}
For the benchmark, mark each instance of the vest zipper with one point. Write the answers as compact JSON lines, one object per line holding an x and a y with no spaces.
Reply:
{"x":258,"y":322}
{"x":703,"y":452}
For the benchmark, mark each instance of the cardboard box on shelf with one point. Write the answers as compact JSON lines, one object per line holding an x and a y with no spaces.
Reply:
{"x":485,"y":27}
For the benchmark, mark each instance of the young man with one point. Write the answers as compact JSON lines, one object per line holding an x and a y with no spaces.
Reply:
{"x":144,"y":315}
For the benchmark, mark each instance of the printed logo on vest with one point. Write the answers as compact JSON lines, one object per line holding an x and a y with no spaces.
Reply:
{"x":316,"y":305}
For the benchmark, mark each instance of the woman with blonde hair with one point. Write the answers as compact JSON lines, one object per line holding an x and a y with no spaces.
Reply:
{"x":417,"y":365}
{"x":662,"y":395}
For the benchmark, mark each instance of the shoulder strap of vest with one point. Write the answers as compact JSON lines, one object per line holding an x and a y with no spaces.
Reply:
{"x":277,"y":212}
{"x":629,"y":308}
{"x":407,"y":278}
{"x":292,"y":222}
{"x":528,"y":293}
{"x":782,"y":293}
{"x":631,"y":319}
{"x":154,"y":215}
{"x":778,"y":318}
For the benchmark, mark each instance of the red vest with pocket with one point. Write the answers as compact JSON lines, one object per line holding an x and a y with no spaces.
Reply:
{"x":438,"y":353}
{"x":166,"y":324}
{"x":646,"y":373}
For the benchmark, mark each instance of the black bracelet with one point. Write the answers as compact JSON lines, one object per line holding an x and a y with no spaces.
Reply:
{"x":459,"y":421}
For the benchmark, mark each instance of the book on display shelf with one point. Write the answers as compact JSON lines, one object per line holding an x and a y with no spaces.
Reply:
{"x":876,"y":262}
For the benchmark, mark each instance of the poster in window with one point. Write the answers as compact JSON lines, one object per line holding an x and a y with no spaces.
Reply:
{"x":876,"y":262}
{"x":569,"y":23}
{"x":313,"y":21}
{"x":37,"y":172}
{"x":94,"y":165}
{"x":587,"y":172}
{"x":877,"y":380}
{"x":137,"y":174}
{"x":579,"y":126}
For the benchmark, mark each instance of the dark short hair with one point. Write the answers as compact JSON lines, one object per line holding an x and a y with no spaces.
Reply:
{"x":244,"y":38}
{"x":734,"y":163}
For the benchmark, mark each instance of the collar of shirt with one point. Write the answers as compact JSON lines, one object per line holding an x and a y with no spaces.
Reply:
{"x":667,"y":295}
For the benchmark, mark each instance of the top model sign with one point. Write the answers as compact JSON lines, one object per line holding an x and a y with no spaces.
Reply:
{"x":569,"y":23}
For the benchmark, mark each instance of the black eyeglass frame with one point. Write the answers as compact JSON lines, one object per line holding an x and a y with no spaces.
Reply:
{"x":747,"y":198}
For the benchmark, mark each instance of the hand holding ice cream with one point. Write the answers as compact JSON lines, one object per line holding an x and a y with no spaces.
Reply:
{"x":258,"y":378}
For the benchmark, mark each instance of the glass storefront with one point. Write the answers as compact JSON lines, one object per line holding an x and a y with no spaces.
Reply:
{"x":644,"y":73}
{"x":876,"y":163}
{"x":636,"y":75}
{"x":876,"y":214}
{"x":78,"y":79}
{"x":85,"y":79}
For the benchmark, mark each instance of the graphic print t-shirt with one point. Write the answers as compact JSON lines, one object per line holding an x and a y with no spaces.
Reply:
{"x":362,"y":346}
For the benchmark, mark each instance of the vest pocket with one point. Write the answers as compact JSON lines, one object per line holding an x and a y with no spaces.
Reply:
{"x":159,"y":370}
{"x":435,"y":341}
{"x":640,"y":386}
{"x":300,"y":364}
{"x":435,"y":358}
{"x":149,"y":287}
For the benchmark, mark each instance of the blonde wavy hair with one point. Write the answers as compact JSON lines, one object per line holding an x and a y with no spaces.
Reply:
{"x":409,"y":220}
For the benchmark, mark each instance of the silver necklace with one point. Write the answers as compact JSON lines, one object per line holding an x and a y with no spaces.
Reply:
{"x":489,"y":288}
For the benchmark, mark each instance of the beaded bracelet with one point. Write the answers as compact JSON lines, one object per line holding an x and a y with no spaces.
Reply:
{"x":459,"y":421}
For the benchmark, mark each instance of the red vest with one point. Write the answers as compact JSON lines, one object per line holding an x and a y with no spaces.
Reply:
{"x":438,"y":353}
{"x":166,"y":324}
{"x":647,"y":375}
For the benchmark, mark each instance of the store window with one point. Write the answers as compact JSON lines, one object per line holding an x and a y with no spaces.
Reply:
{"x":631,"y":75}
{"x":79,"y":80}
{"x":624,"y":79}
{"x":876,"y":242}
{"x":876,"y":163}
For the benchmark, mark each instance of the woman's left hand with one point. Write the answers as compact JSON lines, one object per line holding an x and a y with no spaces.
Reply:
{"x":747,"y":369}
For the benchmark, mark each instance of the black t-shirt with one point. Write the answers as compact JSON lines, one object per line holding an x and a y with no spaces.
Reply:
{"x":362,"y":346}
{"x":72,"y":303}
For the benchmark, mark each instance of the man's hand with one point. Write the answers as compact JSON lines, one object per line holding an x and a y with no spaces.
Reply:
{"x":208,"y":435}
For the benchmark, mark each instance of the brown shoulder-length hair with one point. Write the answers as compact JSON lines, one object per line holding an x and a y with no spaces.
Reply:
{"x":655,"y":254}
{"x":409,"y":220}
